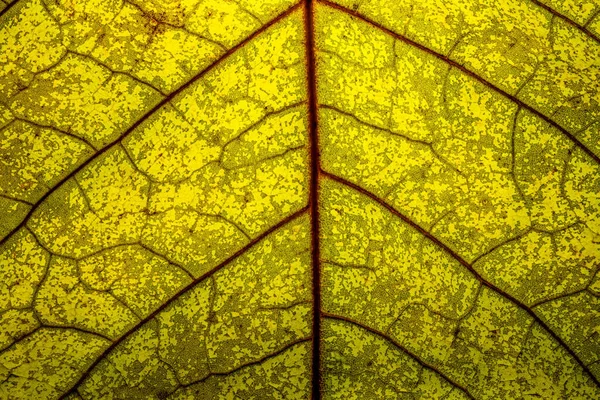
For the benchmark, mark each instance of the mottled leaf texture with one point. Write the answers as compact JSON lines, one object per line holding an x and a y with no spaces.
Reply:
{"x":283,"y":199}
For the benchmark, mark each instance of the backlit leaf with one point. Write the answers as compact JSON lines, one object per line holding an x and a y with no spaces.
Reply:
{"x":208,"y":199}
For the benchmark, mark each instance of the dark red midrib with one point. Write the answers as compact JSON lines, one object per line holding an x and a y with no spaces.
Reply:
{"x":468,"y":266}
{"x":398,"y":345}
{"x":180,"y":293}
{"x":314,"y":196}
{"x":144,"y":117}
{"x":465,"y":71}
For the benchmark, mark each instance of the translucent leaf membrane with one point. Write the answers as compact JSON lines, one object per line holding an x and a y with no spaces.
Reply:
{"x":76,"y":76}
{"x":398,"y":282}
{"x":208,"y":174}
{"x":174,"y":175}
{"x":519,"y":47}
{"x":582,"y":13}
{"x":240,"y":331}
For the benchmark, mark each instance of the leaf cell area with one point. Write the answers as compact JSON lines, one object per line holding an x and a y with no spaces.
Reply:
{"x":318,"y":199}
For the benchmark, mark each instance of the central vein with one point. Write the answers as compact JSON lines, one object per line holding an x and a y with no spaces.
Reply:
{"x":314,"y":196}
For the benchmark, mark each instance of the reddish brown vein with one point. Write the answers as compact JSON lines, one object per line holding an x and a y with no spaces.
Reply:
{"x":566,"y":19}
{"x":181,"y":292}
{"x":314,"y":196}
{"x":387,"y":338}
{"x":466,"y":72}
{"x":147,"y":115}
{"x":256,"y":362}
{"x":43,"y":326}
{"x":8,"y":7}
{"x":468,"y":266}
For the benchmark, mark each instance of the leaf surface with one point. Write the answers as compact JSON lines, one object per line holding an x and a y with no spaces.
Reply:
{"x":210,"y":199}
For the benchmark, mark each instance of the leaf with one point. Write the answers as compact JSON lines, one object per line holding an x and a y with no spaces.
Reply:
{"x":236,"y":199}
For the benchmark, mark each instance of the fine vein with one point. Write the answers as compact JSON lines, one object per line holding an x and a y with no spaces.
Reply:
{"x":181,"y":292}
{"x":468,"y":266}
{"x":147,"y":115}
{"x":466,"y":71}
